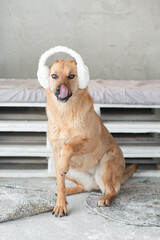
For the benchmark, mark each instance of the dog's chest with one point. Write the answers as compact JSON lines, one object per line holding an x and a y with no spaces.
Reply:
{"x":65,"y":129}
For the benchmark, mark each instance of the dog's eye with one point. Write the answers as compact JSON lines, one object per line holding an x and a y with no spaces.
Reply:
{"x":71,"y":76}
{"x":54,"y":76}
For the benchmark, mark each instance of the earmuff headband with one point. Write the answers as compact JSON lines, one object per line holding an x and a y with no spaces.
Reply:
{"x":43,"y":70}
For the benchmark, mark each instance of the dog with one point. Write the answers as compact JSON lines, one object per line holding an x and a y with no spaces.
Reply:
{"x":84,"y":151}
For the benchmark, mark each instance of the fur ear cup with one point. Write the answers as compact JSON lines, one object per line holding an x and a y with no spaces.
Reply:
{"x":43,"y":76}
{"x":84,"y":80}
{"x":43,"y":70}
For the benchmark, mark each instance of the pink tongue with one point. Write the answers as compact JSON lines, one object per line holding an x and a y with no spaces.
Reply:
{"x":63,"y":91}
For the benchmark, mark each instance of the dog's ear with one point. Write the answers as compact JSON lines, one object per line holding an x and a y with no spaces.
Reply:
{"x":53,"y":63}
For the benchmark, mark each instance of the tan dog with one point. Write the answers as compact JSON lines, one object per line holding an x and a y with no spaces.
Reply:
{"x":83,"y":148}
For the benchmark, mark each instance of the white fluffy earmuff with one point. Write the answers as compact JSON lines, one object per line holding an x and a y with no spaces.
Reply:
{"x":43,"y":70}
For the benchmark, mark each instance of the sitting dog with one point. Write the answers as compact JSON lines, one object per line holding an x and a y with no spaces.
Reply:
{"x":84,"y":150}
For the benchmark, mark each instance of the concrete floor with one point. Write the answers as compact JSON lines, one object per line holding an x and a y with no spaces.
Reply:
{"x":81,"y":223}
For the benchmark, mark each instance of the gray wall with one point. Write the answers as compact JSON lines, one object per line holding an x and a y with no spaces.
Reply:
{"x":118,"y":39}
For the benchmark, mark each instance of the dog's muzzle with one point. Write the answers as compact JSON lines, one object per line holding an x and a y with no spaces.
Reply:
{"x":62,"y":93}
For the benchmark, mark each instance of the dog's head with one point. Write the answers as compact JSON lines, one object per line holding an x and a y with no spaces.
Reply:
{"x":63,"y":79}
{"x":82,"y":71}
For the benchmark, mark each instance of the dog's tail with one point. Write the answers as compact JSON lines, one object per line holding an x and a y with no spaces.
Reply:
{"x":128,"y":172}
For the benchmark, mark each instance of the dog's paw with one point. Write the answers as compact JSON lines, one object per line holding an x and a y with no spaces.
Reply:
{"x":60,"y":211}
{"x":103,"y":202}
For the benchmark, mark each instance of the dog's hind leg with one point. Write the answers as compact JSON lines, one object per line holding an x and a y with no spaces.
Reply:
{"x":74,"y":190}
{"x":111,"y":174}
{"x":110,"y":192}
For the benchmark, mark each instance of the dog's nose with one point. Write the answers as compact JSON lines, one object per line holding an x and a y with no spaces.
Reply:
{"x":58,"y":89}
{"x":57,"y":92}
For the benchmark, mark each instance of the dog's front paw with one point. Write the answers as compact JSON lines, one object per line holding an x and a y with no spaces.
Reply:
{"x":60,"y":210}
{"x":102,"y":202}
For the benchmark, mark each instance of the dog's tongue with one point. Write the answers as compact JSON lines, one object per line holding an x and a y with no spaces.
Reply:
{"x":63,"y":91}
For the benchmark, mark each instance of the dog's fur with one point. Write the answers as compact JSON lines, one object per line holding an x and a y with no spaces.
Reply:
{"x":84,"y":151}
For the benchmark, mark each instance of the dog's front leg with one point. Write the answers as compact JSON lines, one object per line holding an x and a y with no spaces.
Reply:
{"x":74,"y":148}
{"x":60,"y":209}
{"x":64,"y":161}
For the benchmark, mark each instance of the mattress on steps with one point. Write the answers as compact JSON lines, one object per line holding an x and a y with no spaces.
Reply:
{"x":143,"y":92}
